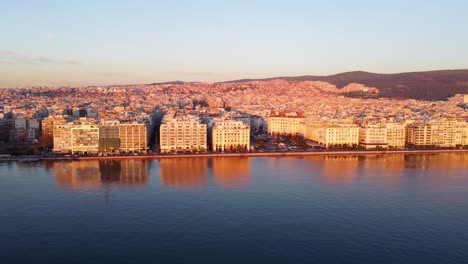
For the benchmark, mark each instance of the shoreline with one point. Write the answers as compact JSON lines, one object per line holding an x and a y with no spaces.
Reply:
{"x":246,"y":155}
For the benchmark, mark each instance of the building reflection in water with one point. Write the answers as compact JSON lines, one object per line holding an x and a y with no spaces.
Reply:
{"x":339,"y":169}
{"x":184,"y":172}
{"x":77,"y":174}
{"x":129,"y":172}
{"x":384,"y":170}
{"x":94,"y":174}
{"x":436,"y":161}
{"x":231,"y":171}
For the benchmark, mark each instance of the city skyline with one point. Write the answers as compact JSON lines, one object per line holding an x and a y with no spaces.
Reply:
{"x":54,"y":43}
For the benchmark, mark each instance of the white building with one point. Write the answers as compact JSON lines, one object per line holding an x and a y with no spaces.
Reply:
{"x":76,"y":138}
{"x":281,"y":122}
{"x":396,"y":133}
{"x":373,"y":135}
{"x":230,"y":135}
{"x":182,"y":133}
{"x":333,"y":133}
{"x":419,"y":134}
{"x":133,"y":137}
{"x":441,"y":133}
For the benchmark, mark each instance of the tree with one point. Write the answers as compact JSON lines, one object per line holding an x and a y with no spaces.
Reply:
{"x":261,"y":143}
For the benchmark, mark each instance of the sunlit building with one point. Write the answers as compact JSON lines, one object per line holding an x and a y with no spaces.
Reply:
{"x":396,"y":135}
{"x":48,"y":125}
{"x":448,"y":132}
{"x":442,"y":133}
{"x":282,"y":122}
{"x":334,"y":133}
{"x":109,"y":137}
{"x":79,"y":137}
{"x":133,"y":137}
{"x":419,"y":134}
{"x":373,"y":135}
{"x":182,"y":133}
{"x":230,"y":135}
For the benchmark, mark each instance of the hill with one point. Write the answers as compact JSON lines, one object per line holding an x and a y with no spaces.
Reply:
{"x":429,"y":85}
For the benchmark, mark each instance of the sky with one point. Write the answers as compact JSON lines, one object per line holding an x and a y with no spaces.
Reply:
{"x":89,"y":42}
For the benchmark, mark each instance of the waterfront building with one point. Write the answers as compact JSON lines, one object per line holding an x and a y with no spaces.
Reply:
{"x":85,"y":138}
{"x":109,"y":137}
{"x":75,"y":138}
{"x":133,"y":138}
{"x":419,"y":134}
{"x":440,"y":133}
{"x":333,"y":133}
{"x":62,"y":138}
{"x":396,"y":135}
{"x":448,"y":132}
{"x":373,"y":135}
{"x":282,"y":122}
{"x":48,"y":124}
{"x":179,"y":132}
{"x":230,"y":135}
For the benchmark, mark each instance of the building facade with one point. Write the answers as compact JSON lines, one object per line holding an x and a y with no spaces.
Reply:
{"x":419,"y":134}
{"x":396,"y":133}
{"x":79,"y":137}
{"x":333,"y":133}
{"x":179,"y":133}
{"x":281,"y":122}
{"x":48,"y":124}
{"x":230,"y":135}
{"x":373,"y":136}
{"x":133,"y":138}
{"x":438,"y":133}
{"x":109,"y":137}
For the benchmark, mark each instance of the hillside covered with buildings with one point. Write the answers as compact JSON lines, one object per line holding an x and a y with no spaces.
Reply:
{"x":234,"y":116}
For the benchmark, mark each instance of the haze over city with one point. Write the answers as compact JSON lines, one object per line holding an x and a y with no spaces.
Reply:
{"x":80,"y":43}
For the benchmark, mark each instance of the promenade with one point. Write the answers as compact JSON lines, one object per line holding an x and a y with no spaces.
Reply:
{"x":250,"y":154}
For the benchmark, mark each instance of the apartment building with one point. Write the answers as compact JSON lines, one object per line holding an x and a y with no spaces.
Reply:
{"x":85,"y":138}
{"x":230,"y":135}
{"x":179,"y":132}
{"x":373,"y":135}
{"x":281,"y":122}
{"x":79,"y":137}
{"x":333,"y":133}
{"x":448,"y":132}
{"x":419,"y":134}
{"x":48,"y":125}
{"x":109,"y":137}
{"x":441,"y":133}
{"x":133,"y":138}
{"x":396,"y":133}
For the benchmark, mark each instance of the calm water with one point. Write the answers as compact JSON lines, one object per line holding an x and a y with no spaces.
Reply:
{"x":375,"y":209}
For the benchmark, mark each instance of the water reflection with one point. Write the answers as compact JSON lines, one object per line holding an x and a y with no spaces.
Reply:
{"x":77,"y":174}
{"x":94,"y":174}
{"x":184,"y":172}
{"x":339,"y":169}
{"x":231,"y":171}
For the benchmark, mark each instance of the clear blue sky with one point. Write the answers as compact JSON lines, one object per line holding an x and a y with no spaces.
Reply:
{"x":115,"y":42}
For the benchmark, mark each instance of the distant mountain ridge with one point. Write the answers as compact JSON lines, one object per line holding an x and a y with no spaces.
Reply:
{"x":427,"y":85}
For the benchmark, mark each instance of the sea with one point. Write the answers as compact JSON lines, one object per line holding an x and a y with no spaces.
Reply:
{"x":391,"y":208}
